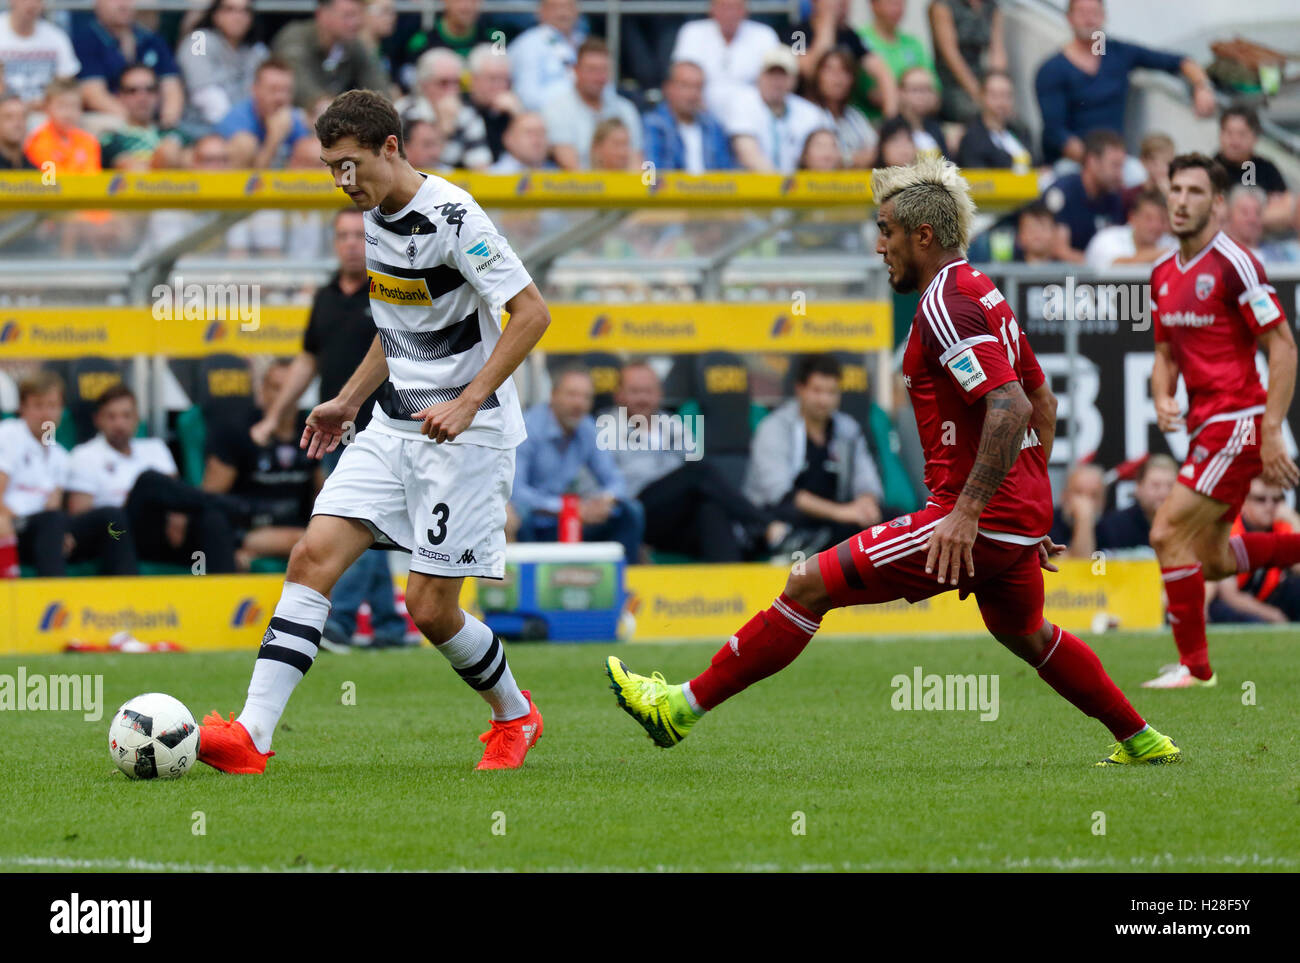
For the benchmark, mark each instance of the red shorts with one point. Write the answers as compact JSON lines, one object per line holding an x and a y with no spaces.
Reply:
{"x":1223,"y":459}
{"x":887,"y":562}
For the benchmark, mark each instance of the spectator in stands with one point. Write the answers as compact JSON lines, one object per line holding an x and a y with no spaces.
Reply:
{"x":572,"y":112}
{"x":111,"y":41}
{"x":899,"y":50}
{"x":968,"y":40}
{"x":1131,"y":527}
{"x":60,"y":140}
{"x":326,"y":54}
{"x":13,"y":132}
{"x":1089,"y":200}
{"x":809,"y":463}
{"x":219,"y":59}
{"x":688,"y":505}
{"x":437,"y":99}
{"x":611,"y":146}
{"x":168,"y":519}
{"x":821,"y":152}
{"x":680,"y":135}
{"x":831,"y":88}
{"x":33,"y":51}
{"x":897,"y":147}
{"x":1074,"y":520}
{"x":140,"y":144}
{"x":1154,"y":153}
{"x":1035,"y":234}
{"x":561,"y":456}
{"x":276,"y":479}
{"x":458,"y":28}
{"x":377,"y":27}
{"x":262,"y":130}
{"x":542,"y":57}
{"x":1244,"y":217}
{"x":525,"y":145}
{"x":919,"y":105}
{"x":1143,"y":240}
{"x":829,"y":30}
{"x":769,"y":123}
{"x":994,"y":138}
{"x":730,"y":48}
{"x":647,"y":41}
{"x":340,"y":330}
{"x":1084,"y":87}
{"x":1238,"y":134}
{"x":424,"y":145}
{"x":1264,"y":594}
{"x":490,"y":94}
{"x":34,"y":528}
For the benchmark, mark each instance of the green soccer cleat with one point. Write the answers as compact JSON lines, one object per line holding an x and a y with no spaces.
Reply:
{"x":1153,"y":749}
{"x":661,"y":708}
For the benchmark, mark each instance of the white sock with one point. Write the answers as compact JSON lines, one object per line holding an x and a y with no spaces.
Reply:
{"x":480,"y":659}
{"x":698,"y":709}
{"x":288,"y":649}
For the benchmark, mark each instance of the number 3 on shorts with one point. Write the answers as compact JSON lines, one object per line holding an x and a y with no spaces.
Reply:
{"x":440,"y":513}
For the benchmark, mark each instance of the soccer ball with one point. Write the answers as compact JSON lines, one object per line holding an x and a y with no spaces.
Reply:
{"x":153,"y":736}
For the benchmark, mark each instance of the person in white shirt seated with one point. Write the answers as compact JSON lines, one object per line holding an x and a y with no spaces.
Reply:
{"x":1143,"y":240}
{"x":525,"y":143}
{"x":1244,"y":223}
{"x":137,"y":478}
{"x":542,"y":57}
{"x":769,"y":123}
{"x":573,"y":111}
{"x":729,"y":47}
{"x":34,"y":528}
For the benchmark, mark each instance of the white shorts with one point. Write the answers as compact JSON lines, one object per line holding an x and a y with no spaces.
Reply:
{"x":445,"y":504}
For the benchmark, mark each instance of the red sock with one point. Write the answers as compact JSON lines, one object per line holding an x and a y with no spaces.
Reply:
{"x":1185,"y":586}
{"x":9,"y":558}
{"x":1075,"y":672}
{"x":1265,"y":550}
{"x":765,"y":645}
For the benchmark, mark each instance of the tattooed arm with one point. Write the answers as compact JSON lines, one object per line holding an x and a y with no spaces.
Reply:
{"x":1006,"y":415}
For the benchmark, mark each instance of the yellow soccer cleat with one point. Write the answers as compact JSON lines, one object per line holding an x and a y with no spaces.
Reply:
{"x":1146,"y":748}
{"x":661,"y":708}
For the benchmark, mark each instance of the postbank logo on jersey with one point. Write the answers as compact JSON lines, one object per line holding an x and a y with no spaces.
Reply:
{"x":384,"y":287}
{"x":967,"y":369}
{"x":483,"y":254}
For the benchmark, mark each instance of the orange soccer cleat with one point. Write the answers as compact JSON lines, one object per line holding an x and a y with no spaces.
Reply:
{"x":508,"y":742}
{"x":226,"y":745}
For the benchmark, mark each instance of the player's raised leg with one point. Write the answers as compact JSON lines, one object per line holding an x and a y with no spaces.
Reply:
{"x":479,"y":657}
{"x":289,"y":645}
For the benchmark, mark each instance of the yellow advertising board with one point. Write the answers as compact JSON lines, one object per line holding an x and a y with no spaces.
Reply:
{"x":670,"y":602}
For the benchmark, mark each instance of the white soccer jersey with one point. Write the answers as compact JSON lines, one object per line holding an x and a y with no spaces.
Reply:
{"x":439,"y":275}
{"x":99,"y":469}
{"x":35,"y":471}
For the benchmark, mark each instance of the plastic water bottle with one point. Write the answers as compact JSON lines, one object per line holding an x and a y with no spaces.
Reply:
{"x":570,"y":525}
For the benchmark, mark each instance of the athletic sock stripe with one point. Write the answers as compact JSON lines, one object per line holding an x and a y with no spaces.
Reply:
{"x":1239,"y":550}
{"x":1173,"y":575}
{"x":484,"y":684}
{"x":794,"y":618}
{"x":305,"y":632}
{"x":279,"y":653}
{"x":481,"y":666}
{"x":852,"y":577}
{"x":1055,"y":642}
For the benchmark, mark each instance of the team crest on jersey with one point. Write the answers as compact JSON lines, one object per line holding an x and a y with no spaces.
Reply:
{"x":902,"y":521}
{"x":1204,"y":286}
{"x":1199,"y":454}
{"x":411,"y":252}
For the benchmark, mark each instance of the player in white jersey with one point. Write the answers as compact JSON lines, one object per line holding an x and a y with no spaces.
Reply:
{"x":431,"y":473}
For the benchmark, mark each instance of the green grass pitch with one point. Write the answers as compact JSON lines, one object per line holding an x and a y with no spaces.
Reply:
{"x":387,"y":783}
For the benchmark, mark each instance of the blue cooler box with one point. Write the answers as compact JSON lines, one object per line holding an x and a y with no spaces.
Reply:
{"x":557,"y":591}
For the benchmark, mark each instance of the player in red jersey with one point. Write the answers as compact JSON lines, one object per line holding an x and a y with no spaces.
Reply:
{"x":987,"y":419}
{"x":1211,"y":306}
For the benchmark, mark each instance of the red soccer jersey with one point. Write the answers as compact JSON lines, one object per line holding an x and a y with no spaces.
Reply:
{"x":964,"y":342}
{"x":1210,"y":311}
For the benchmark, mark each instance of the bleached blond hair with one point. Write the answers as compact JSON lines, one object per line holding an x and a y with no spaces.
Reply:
{"x":930,"y":191}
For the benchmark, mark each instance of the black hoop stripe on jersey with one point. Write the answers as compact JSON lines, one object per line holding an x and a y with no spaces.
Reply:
{"x":440,"y":280}
{"x":411,"y":223}
{"x":404,"y":402}
{"x":432,"y":345}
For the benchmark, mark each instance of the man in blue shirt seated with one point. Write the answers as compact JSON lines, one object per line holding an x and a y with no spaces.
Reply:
{"x":262,"y":130}
{"x":1131,"y":527}
{"x":561,"y":456}
{"x":108,"y":43}
{"x":1084,"y":87}
{"x":680,"y":135}
{"x":1090,"y":200}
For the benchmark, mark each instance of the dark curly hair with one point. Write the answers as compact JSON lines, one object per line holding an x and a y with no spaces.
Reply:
{"x":364,"y":114}
{"x":1218,"y":175}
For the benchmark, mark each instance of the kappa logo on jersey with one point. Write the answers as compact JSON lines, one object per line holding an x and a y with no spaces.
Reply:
{"x":371,"y":239}
{"x":467,"y":558}
{"x":453,"y":214}
{"x":967,"y":369}
{"x":1204,"y":286}
{"x":1263,"y":307}
{"x":484,"y":254}
{"x":384,"y":287}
